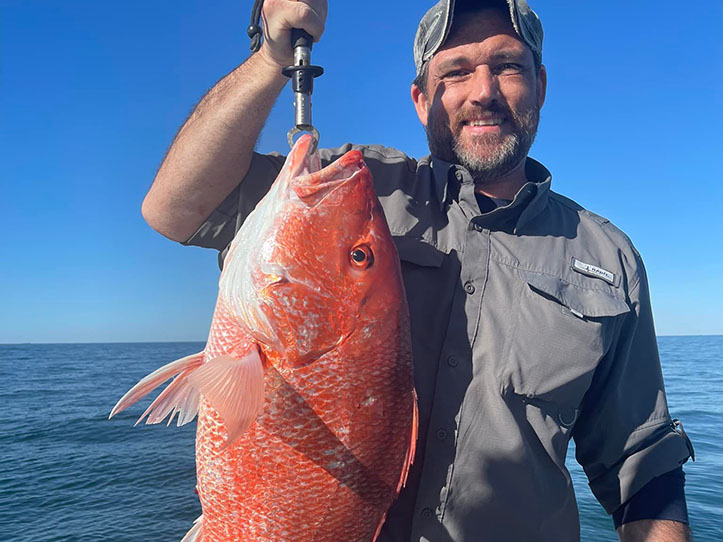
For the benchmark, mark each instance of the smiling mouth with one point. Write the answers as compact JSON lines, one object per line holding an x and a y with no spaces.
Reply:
{"x":484,"y":122}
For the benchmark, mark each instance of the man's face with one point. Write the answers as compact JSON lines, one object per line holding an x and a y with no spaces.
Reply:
{"x":483,"y":98}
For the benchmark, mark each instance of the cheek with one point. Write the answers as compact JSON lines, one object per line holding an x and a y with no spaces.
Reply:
{"x":520,"y":95}
{"x":453,"y":98}
{"x":444,"y":107}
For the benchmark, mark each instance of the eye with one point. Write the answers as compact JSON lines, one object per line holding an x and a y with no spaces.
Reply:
{"x":454,"y":74}
{"x":361,"y":256}
{"x":510,"y":67}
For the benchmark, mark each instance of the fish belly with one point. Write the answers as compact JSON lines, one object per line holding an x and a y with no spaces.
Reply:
{"x":323,"y":460}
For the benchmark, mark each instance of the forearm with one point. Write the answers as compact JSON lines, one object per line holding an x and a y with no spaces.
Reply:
{"x":212,"y":151}
{"x":654,"y":530}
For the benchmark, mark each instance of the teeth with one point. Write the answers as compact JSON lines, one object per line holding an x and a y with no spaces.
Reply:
{"x":488,"y":122}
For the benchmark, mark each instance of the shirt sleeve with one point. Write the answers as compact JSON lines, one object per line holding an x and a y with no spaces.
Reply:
{"x":219,"y":229}
{"x":625,"y":436}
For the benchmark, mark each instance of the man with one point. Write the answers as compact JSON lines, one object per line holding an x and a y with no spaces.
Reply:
{"x":531,"y":322}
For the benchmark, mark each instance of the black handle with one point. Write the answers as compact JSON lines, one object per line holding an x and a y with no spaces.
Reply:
{"x":301,"y":38}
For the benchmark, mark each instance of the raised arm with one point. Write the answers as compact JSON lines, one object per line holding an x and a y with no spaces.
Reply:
{"x":213,"y":149}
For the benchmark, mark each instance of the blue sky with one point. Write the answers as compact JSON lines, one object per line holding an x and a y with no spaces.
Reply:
{"x":92,"y":93}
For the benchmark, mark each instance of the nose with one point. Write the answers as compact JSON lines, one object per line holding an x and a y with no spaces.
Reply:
{"x":485,"y":87}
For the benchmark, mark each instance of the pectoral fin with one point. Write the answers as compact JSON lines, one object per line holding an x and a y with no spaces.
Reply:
{"x":234,"y":388}
{"x":175,"y":395}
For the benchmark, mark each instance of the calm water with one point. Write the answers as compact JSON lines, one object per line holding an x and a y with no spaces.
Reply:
{"x":70,"y":474}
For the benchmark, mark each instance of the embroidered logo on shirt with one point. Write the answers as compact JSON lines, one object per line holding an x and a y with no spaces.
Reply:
{"x":593,"y":271}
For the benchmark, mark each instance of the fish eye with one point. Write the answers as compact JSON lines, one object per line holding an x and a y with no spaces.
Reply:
{"x":361,"y":256}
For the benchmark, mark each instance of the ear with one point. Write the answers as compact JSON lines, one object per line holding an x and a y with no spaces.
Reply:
{"x":420,"y":104}
{"x":541,"y":86}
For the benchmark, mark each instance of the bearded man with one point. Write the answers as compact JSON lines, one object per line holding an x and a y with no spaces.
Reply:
{"x":530,"y":316}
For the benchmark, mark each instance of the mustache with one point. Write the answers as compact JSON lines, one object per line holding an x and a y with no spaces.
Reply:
{"x":473,"y":112}
{"x":470,"y":112}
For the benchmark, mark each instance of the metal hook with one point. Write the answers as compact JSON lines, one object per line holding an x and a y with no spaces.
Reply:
{"x":297,"y":130}
{"x":302,"y":75}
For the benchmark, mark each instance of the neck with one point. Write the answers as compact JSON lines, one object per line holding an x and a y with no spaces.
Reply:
{"x":506,"y":186}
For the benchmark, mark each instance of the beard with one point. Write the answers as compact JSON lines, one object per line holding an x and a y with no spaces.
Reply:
{"x":487,"y":157}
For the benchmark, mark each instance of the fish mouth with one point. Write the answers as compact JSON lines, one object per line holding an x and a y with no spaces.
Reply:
{"x":316,"y":186}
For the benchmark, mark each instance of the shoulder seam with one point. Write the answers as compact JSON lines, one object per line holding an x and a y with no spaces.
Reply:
{"x":600,"y":220}
{"x":615,"y":235}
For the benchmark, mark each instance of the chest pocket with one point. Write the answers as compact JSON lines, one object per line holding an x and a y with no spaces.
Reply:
{"x":559,"y":333}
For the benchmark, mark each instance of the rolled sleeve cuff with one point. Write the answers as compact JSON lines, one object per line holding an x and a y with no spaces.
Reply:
{"x":669,"y":449}
{"x":213,"y":233}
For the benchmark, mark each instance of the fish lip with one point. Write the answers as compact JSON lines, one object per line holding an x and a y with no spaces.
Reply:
{"x":314,"y":194}
{"x":309,"y":161}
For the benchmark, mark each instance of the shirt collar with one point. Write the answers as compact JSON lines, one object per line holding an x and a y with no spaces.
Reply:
{"x":442,"y":171}
{"x":531,"y":198}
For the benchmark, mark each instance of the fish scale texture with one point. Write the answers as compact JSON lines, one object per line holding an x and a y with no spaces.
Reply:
{"x":321,"y":464}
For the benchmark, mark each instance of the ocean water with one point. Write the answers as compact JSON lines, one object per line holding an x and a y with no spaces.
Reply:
{"x":693,"y":374}
{"x":67,"y":473}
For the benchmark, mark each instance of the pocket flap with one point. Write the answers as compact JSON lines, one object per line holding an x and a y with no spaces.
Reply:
{"x":418,"y":252}
{"x":588,"y":302}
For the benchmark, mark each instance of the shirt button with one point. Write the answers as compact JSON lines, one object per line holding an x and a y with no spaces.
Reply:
{"x":441,"y":434}
{"x":458,"y":174}
{"x":426,"y":512}
{"x":452,"y":361}
{"x":469,"y":287}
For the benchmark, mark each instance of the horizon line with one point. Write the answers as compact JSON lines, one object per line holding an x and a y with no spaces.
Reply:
{"x":203,"y":341}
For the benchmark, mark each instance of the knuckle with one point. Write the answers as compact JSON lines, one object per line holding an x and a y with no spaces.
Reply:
{"x":309,"y":19}
{"x":303,"y":10}
{"x":271,"y":6}
{"x":282,"y":15}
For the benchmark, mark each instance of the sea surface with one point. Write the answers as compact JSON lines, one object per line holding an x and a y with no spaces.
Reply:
{"x":67,"y":473}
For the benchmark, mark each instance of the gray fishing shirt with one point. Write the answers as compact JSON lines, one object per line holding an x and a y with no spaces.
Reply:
{"x":531,"y":325}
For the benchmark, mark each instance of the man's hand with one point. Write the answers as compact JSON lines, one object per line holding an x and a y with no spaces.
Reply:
{"x":212,"y":151}
{"x":654,"y":530}
{"x":280,"y":16}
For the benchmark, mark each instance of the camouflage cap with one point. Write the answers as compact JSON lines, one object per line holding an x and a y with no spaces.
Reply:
{"x":435,"y":25}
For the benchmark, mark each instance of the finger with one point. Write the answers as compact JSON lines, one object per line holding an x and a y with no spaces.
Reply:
{"x":319,"y":6}
{"x":280,"y":16}
{"x":306,"y":17}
